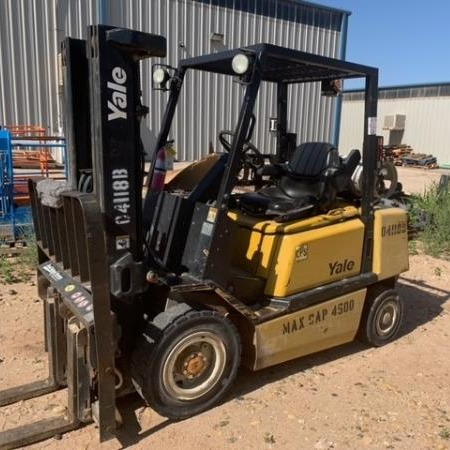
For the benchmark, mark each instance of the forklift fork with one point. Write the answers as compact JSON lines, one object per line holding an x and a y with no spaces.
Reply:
{"x":54,"y":335}
{"x":59,"y":356}
{"x":80,"y":354}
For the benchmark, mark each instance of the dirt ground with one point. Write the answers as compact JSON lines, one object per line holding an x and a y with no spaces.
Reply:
{"x":415,"y":181}
{"x":350,"y":397}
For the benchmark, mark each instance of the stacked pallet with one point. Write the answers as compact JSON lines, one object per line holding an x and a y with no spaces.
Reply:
{"x":395,"y":153}
{"x":404,"y":155}
{"x":420,"y":160}
{"x":32,"y":159}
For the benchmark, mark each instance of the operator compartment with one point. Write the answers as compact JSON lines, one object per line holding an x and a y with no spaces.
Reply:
{"x":294,"y":256}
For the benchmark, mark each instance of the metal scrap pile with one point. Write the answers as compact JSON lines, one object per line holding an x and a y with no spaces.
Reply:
{"x":403,"y":155}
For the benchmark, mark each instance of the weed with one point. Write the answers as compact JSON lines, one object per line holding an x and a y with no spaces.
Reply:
{"x":14,"y":269}
{"x":438,"y":271}
{"x":7,"y":270}
{"x":28,"y":257}
{"x":445,"y":433}
{"x":413,"y":248}
{"x":430,"y":215}
{"x":27,"y":260}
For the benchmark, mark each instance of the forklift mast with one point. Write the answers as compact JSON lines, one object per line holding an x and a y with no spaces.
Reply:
{"x":112,"y":162}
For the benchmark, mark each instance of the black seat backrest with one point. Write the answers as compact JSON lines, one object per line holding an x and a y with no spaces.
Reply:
{"x":343,"y":178}
{"x":350,"y":162}
{"x":309,"y":170}
{"x":306,"y":184}
{"x":312,"y":159}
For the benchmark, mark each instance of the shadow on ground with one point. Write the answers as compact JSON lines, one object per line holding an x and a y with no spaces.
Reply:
{"x":131,"y":432}
{"x":423,"y":303}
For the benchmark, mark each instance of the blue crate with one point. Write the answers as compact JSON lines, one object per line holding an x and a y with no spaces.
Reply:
{"x":16,"y":222}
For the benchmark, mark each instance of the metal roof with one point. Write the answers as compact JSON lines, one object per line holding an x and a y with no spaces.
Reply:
{"x":279,"y":64}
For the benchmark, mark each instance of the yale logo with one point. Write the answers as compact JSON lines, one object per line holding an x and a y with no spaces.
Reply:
{"x":118,"y":103}
{"x":341,"y":266}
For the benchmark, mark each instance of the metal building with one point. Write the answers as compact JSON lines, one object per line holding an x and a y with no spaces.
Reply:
{"x":415,"y":115}
{"x":31,"y":30}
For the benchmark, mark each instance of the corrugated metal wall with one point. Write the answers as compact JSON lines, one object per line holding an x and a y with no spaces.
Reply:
{"x":30,"y":36}
{"x":28,"y":74}
{"x":30,"y":32}
{"x":426,"y":126}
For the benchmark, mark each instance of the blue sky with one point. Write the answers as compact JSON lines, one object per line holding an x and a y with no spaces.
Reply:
{"x":409,"y":41}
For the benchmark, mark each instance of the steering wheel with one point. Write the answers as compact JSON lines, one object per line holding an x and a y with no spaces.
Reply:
{"x":224,"y":141}
{"x":252,"y":159}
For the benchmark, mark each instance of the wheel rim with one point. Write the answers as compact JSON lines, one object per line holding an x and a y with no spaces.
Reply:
{"x":387,"y":317}
{"x":194,"y":366}
{"x":388,"y":173}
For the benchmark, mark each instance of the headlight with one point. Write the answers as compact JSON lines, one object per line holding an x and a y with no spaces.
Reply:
{"x":160,"y":76}
{"x":240,"y":63}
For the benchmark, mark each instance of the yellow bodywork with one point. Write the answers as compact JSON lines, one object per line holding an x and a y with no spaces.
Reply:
{"x":188,"y":177}
{"x":390,"y":249}
{"x":300,"y":255}
{"x":296,"y":256}
{"x":309,"y":330}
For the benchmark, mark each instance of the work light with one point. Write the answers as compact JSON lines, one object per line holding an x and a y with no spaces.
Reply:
{"x":240,"y":63}
{"x":160,"y":76}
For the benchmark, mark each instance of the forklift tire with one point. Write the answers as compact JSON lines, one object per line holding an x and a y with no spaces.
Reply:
{"x":382,"y":318}
{"x":185,"y":361}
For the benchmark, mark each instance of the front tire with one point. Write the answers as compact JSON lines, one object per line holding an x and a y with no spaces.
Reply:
{"x":383,"y":317}
{"x":186,"y":361}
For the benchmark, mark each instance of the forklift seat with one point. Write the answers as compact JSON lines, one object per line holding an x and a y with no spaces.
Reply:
{"x":305,"y":184}
{"x":343,"y":179}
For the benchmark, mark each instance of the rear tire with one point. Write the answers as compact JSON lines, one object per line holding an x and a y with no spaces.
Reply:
{"x":186,"y":361}
{"x":383,"y":317}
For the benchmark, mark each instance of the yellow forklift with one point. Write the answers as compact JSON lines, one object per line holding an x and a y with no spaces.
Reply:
{"x":249,"y":256}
